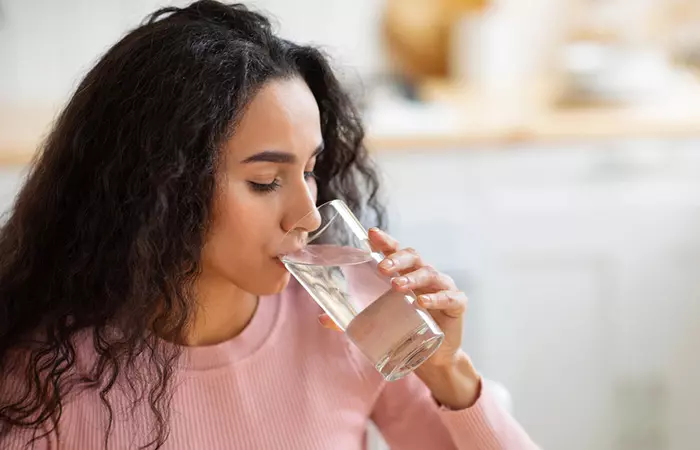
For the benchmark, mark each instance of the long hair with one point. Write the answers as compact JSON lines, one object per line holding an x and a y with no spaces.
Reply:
{"x":106,"y":234}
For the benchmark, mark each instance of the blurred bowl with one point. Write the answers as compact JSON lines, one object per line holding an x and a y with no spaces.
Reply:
{"x":615,"y":73}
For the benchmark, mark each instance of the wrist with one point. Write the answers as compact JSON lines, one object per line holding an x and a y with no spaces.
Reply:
{"x":455,"y":385}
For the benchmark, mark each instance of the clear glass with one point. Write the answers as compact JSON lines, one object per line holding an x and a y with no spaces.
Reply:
{"x":337,"y":267}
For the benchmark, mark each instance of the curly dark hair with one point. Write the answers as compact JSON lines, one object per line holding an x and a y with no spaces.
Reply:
{"x":106,"y":234}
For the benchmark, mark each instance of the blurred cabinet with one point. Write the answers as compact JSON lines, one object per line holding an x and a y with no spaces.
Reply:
{"x":578,"y":261}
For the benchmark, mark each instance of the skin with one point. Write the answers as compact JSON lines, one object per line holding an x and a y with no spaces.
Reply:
{"x":266,"y":188}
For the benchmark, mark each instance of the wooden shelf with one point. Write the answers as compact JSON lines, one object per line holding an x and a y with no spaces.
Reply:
{"x":482,"y":123}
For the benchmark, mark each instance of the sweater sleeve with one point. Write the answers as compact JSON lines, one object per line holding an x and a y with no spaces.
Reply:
{"x":409,"y":418}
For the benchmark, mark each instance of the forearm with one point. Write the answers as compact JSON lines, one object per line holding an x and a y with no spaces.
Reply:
{"x":456,"y":385}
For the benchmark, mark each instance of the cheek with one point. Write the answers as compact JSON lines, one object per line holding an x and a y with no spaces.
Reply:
{"x":237,"y":235}
{"x":239,"y":246}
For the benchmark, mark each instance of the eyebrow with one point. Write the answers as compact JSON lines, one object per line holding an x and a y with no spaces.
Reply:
{"x":274,"y":156}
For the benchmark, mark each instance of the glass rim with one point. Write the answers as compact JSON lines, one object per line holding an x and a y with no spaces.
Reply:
{"x":313,"y":235}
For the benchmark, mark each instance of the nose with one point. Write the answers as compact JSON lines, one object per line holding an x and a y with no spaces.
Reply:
{"x":302,"y":214}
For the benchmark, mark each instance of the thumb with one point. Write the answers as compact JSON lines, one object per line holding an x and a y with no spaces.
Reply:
{"x":327,"y":322}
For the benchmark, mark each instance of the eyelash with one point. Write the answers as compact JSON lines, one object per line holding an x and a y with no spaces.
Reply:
{"x":269,"y":187}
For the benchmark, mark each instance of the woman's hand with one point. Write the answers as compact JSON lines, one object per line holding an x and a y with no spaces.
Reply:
{"x":448,"y":372}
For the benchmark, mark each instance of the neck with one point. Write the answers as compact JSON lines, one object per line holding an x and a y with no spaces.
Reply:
{"x":223,"y":311}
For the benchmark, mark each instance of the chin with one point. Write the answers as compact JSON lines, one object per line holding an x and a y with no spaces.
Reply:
{"x":275,"y":285}
{"x":267,"y":280}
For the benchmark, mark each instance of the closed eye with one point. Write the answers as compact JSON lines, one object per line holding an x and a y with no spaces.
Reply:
{"x":275,"y":184}
{"x":264,"y":187}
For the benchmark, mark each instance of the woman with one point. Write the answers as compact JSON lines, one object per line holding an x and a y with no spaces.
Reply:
{"x":143,"y":305}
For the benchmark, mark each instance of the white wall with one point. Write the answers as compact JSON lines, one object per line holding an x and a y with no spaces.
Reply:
{"x":46,"y":45}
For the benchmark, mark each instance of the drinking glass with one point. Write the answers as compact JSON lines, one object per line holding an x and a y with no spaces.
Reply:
{"x":334,"y":262}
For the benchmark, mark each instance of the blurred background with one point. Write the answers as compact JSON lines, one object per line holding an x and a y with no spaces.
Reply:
{"x":545,"y":153}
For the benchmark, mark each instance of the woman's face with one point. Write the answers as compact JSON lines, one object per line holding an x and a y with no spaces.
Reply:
{"x":266,"y":187}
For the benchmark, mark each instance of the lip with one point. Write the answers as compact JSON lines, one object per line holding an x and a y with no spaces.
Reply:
{"x":293,"y":242}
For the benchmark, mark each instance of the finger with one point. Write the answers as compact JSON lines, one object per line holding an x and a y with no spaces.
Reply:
{"x":425,"y":278}
{"x":450,"y":303}
{"x":327,"y":322}
{"x":382,"y":242}
{"x":401,"y":261}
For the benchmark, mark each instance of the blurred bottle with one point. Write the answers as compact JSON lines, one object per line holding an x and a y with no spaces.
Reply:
{"x":418,"y":35}
{"x":504,"y":53}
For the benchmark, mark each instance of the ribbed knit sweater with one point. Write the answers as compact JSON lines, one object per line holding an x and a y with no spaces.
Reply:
{"x":285,"y":383}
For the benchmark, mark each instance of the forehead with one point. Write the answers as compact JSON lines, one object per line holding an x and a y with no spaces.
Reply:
{"x":283,"y":116}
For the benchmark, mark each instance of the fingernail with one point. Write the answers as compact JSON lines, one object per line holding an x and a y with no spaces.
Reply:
{"x":387,"y":264}
{"x":401,"y":281}
{"x":329,"y":324}
{"x":425,"y":300}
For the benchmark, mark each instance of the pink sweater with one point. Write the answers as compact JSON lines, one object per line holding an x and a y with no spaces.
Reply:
{"x":287,"y":383}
